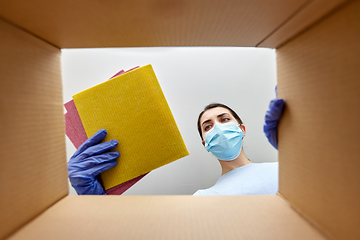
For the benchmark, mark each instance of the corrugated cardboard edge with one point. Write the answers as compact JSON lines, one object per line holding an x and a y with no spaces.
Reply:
{"x":319,"y":133}
{"x":287,"y":203}
{"x":147,"y":23}
{"x":32,"y":147}
{"x":170,"y":217}
{"x":307,"y":15}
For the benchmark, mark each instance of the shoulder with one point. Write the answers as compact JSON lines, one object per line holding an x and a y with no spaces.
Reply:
{"x":252,"y":179}
{"x":266,"y":165}
{"x":205,"y":192}
{"x":270,"y":165}
{"x":264,"y":169}
{"x":252,"y":170}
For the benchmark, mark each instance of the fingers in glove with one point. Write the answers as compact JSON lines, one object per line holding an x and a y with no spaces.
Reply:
{"x":96,"y":170}
{"x":85,"y":168}
{"x":93,"y":161}
{"x":270,"y":125}
{"x":272,"y":136}
{"x":93,"y":140}
{"x":275,"y":110}
{"x":98,"y":149}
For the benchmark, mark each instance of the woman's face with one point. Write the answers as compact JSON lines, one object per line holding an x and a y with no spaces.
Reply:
{"x":218,"y":114}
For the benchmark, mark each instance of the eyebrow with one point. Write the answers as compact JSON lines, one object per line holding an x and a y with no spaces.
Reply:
{"x":218,"y":116}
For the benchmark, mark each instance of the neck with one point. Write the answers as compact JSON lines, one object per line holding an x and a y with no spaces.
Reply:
{"x":240,"y":161}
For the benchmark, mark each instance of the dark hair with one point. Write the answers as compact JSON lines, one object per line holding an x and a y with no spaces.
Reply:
{"x":214,"y":105}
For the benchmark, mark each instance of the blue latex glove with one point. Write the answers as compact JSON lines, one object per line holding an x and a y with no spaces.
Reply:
{"x":89,"y":160}
{"x":272,"y":118}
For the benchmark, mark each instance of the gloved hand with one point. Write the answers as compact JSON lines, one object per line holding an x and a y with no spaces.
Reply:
{"x":89,"y":160}
{"x":272,"y":117}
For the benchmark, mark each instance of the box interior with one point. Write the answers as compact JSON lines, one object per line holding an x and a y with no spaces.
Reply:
{"x":33,"y":165}
{"x":169,"y":217}
{"x":319,"y":133}
{"x":317,"y":70}
{"x":144,"y":23}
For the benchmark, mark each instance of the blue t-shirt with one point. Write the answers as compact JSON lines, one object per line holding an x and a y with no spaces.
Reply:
{"x":250,"y":179}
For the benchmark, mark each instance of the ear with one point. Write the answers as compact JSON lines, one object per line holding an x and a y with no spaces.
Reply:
{"x":242,"y":127}
{"x":203,"y":143}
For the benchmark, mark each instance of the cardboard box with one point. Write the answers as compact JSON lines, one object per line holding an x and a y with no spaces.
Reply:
{"x":317,"y":57}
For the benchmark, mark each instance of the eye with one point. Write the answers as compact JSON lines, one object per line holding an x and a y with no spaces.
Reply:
{"x":225,"y":119}
{"x":207,"y":128}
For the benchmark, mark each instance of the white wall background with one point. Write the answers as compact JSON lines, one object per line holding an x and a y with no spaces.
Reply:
{"x":190,"y":77}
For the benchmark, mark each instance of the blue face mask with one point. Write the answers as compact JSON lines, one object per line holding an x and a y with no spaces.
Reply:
{"x":224,"y":141}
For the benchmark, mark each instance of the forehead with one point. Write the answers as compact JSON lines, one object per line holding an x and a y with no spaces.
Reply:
{"x":213,"y":113}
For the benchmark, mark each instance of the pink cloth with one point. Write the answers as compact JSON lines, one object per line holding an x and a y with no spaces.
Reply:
{"x":73,"y":125}
{"x":75,"y":131}
{"x":132,"y":69}
{"x":122,"y":71}
{"x":121,"y":188}
{"x":118,"y":74}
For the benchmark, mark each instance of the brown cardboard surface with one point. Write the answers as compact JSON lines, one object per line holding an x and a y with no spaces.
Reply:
{"x":319,"y":134}
{"x":32,"y":144}
{"x":169,"y":217}
{"x":307,"y":15}
{"x":144,"y":23}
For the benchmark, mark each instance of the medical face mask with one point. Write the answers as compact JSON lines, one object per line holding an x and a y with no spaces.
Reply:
{"x":224,"y":141}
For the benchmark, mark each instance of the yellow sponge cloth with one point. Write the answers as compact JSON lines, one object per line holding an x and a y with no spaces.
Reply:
{"x":133,"y":110}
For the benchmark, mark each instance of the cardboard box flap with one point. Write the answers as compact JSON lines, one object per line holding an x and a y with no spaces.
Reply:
{"x":32,"y":143}
{"x":308,"y":14}
{"x":319,"y":134}
{"x":170,"y":217}
{"x":144,"y":23}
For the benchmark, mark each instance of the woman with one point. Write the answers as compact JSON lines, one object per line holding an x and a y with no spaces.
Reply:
{"x":216,"y":122}
{"x":222,"y":132}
